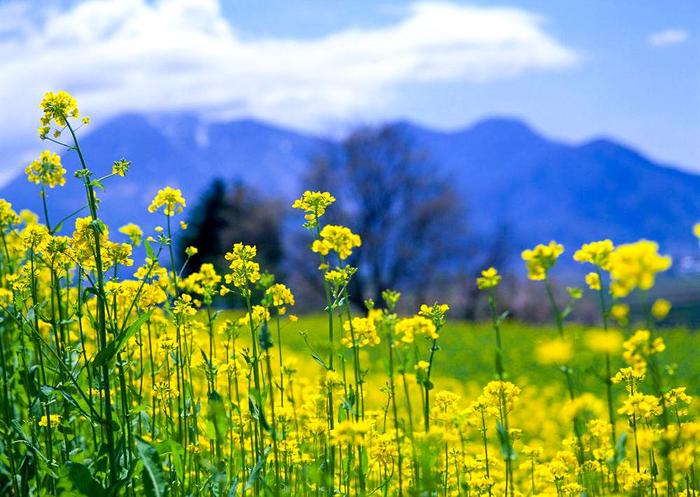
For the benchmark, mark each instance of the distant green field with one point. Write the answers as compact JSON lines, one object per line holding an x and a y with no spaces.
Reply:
{"x":467,"y":351}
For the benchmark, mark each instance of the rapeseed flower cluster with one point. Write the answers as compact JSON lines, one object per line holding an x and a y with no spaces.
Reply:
{"x":338,"y":239}
{"x":47,"y":170}
{"x":489,"y":279}
{"x":170,"y":199}
{"x":541,"y":259}
{"x":58,"y":108}
{"x":635,"y":265}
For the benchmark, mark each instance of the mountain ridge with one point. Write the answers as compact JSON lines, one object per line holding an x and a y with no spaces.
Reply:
{"x":510,"y":173}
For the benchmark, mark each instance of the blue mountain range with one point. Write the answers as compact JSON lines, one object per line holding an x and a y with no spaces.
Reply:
{"x":507,"y":173}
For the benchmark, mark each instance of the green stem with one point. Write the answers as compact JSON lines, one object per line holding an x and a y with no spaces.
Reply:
{"x":101,"y":313}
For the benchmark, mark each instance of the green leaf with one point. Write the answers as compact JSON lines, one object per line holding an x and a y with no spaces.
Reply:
{"x":82,"y":480}
{"x":59,"y":225}
{"x":506,"y":447}
{"x":216,"y":418}
{"x":256,"y":408}
{"x":70,"y":399}
{"x":115,"y":346}
{"x":255,"y":472}
{"x":90,"y":290}
{"x":503,"y":316}
{"x":620,"y":450}
{"x":152,"y":474}
{"x":234,"y":487}
{"x":320,"y":361}
{"x":175,"y":450}
{"x":149,"y":250}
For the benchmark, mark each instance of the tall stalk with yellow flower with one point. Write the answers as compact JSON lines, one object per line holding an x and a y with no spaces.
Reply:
{"x":598,"y":254}
{"x":539,"y":261}
{"x":488,"y":281}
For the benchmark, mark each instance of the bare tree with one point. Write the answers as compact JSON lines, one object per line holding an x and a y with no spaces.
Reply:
{"x":413,"y":225}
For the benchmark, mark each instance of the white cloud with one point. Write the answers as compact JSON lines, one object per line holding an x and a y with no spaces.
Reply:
{"x":668,"y":37}
{"x":139,"y":55}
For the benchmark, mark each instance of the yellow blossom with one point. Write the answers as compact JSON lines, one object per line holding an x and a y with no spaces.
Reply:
{"x":593,"y":281}
{"x":541,"y":259}
{"x":620,"y":312}
{"x":57,"y":108}
{"x":338,"y":239}
{"x":169,"y":198}
{"x":489,"y":279}
{"x":660,"y":309}
{"x":359,"y":332}
{"x":53,"y":420}
{"x":407,"y":328}
{"x":641,"y":406}
{"x":314,"y":204}
{"x":134,"y":232}
{"x":120,"y":167}
{"x":557,"y":351}
{"x":47,"y":170}
{"x":635,"y":265}
{"x":596,"y":253}
{"x":604,"y":342}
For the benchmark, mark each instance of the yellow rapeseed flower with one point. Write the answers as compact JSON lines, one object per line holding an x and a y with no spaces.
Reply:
{"x":52,"y":419}
{"x":596,"y":253}
{"x":338,"y":239}
{"x":640,"y":406}
{"x":120,"y":167}
{"x":604,"y":342}
{"x":281,"y":296}
{"x":170,"y":198}
{"x":243,"y":267}
{"x":635,"y":265}
{"x":639,"y":347}
{"x":660,"y":309}
{"x":359,"y":332}
{"x":489,"y":279}
{"x":57,"y":108}
{"x":47,"y":170}
{"x":134,"y":232}
{"x":593,"y":281}
{"x":557,"y":351}
{"x":407,"y":328}
{"x":314,"y":204}
{"x":620,"y":312}
{"x":541,"y":259}
{"x":8,"y":216}
{"x":349,"y":432}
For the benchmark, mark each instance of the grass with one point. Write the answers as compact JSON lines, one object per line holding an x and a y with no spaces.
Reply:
{"x":466,"y":351}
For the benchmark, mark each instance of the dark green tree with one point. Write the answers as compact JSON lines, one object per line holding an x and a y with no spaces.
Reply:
{"x":225,"y":216}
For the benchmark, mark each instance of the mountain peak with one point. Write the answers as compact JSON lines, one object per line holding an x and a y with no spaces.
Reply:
{"x":502,"y":124}
{"x":610,"y":149}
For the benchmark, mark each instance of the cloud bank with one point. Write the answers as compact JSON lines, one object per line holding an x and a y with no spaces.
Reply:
{"x":668,"y":37}
{"x":134,"y":55}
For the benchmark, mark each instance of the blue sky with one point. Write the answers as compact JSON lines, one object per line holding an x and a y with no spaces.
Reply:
{"x":623,"y":86}
{"x":572,"y":69}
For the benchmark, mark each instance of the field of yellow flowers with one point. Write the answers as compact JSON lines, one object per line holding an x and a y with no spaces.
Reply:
{"x":140,"y":386}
